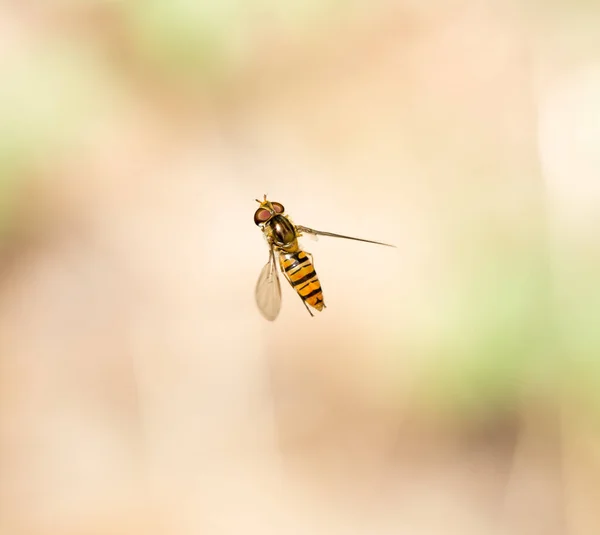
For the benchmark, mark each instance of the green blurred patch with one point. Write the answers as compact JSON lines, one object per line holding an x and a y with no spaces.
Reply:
{"x":578,"y":308}
{"x":495,"y":333}
{"x":50,"y":98}
{"x":205,"y":39}
{"x":182,"y":35}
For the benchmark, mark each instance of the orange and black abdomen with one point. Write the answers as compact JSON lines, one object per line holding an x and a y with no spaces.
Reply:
{"x":300,"y":272}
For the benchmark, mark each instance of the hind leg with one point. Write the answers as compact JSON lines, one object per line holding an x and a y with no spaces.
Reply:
{"x":307,"y":308}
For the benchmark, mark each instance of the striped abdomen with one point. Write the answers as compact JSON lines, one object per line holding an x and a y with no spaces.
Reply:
{"x":300,"y":272}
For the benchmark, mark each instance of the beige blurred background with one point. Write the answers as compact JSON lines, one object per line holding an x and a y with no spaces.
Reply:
{"x":450,"y":387}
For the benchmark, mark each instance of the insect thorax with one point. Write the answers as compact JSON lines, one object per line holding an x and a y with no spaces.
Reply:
{"x":281,"y":231}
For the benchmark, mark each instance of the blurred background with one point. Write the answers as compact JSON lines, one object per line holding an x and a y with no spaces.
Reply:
{"x":451,"y":386}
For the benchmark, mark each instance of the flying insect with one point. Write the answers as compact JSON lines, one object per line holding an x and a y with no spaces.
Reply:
{"x":296,"y":265}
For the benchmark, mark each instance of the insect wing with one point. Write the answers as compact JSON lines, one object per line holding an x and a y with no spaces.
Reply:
{"x":268,"y":290}
{"x":332,"y":235}
{"x":311,"y":235}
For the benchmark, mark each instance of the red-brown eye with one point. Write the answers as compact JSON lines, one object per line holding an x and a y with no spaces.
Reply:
{"x":278,"y":207}
{"x":261,"y":215}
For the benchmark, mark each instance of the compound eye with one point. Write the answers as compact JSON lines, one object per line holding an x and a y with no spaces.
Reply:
{"x":261,"y":216}
{"x":278,"y":207}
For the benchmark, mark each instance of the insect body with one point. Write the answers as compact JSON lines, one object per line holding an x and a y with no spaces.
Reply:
{"x":296,"y":265}
{"x":299,"y":270}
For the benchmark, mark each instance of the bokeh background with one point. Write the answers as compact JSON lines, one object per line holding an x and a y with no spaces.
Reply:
{"x":451,"y":386}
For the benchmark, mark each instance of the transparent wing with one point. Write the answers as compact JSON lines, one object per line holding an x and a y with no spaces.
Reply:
{"x":268,"y":290}
{"x":331,"y":234}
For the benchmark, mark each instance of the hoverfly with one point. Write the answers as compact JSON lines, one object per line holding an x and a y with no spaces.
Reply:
{"x":296,"y":265}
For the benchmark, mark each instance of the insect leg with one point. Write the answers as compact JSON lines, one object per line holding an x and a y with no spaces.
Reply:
{"x":307,"y":308}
